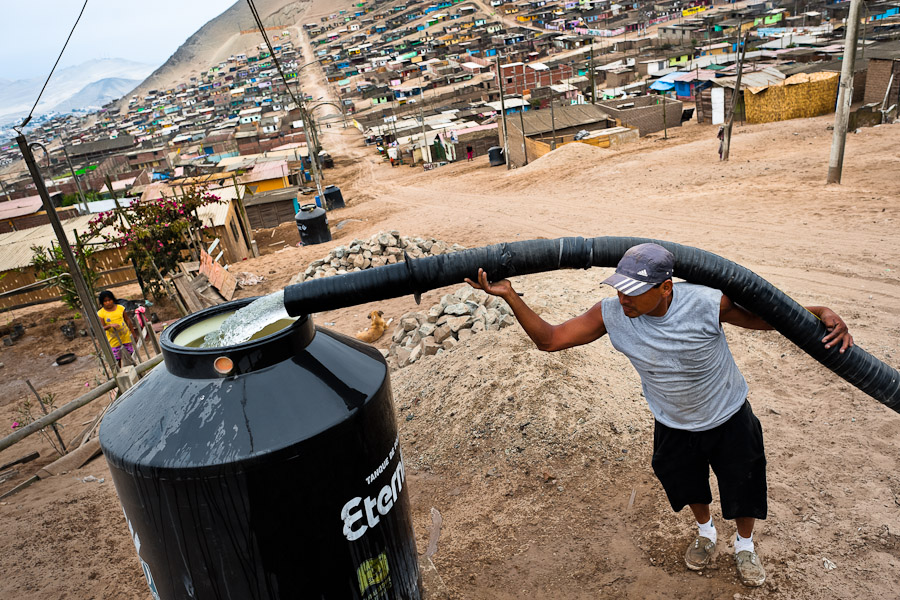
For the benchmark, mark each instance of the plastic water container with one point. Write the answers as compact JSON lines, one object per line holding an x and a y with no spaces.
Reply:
{"x":268,"y":469}
{"x":312,"y":223}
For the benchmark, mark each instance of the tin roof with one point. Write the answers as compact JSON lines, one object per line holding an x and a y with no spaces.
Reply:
{"x":15,"y":246}
{"x":266,"y":170}
{"x":20,"y":207}
{"x":753,"y":79}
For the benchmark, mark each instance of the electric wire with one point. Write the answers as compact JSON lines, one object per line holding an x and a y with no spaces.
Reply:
{"x":41,"y":93}
{"x":262,"y":30}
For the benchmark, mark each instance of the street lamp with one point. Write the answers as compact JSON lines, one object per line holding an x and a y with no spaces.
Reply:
{"x":332,"y":104}
{"x":71,"y":168}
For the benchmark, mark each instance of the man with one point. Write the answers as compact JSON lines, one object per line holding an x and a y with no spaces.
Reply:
{"x":118,"y":325}
{"x":673,"y":336}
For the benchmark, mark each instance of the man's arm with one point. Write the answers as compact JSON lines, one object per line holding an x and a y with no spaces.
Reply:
{"x":838,"y":334}
{"x":581,"y":330}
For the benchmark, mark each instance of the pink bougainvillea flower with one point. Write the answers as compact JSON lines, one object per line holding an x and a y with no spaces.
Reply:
{"x":15,"y":424}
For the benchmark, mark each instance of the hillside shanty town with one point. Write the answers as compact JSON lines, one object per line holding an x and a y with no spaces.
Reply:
{"x":452,"y":300}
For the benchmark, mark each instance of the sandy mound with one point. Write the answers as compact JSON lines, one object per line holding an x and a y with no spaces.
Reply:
{"x":568,"y":156}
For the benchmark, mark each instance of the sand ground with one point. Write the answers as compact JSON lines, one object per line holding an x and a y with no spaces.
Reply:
{"x":539,"y":463}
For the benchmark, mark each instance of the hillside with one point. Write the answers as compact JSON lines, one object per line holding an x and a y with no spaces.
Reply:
{"x":222,"y":37}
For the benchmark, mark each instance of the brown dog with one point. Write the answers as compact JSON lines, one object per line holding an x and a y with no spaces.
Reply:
{"x":376,"y":328}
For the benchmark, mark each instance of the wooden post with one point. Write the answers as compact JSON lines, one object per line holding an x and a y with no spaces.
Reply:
{"x":726,"y":141}
{"x":44,"y":409}
{"x":243,"y":219}
{"x":665,"y":125}
{"x":148,"y":327}
{"x":845,"y":96}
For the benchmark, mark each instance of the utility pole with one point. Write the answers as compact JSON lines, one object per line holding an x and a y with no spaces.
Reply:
{"x":503,"y":115}
{"x":396,"y":138}
{"x":726,"y":140}
{"x":522,"y":125}
{"x":593,"y":86}
{"x":312,"y":148}
{"x":552,"y":124}
{"x":424,"y":139}
{"x":845,"y":96}
{"x":87,"y":299}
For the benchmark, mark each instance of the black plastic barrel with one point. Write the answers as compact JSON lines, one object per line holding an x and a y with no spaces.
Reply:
{"x":268,"y":469}
{"x":333,"y":197}
{"x":495,"y":155}
{"x":312,"y":223}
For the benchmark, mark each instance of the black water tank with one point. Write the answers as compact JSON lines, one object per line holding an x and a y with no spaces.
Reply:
{"x":333,"y":197}
{"x":312,"y":222}
{"x":268,"y":469}
{"x":495,"y":155}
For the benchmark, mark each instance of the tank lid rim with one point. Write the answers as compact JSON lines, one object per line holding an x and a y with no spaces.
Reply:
{"x":167,"y":338}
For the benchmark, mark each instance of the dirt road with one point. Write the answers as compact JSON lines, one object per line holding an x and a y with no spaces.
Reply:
{"x":539,"y":463}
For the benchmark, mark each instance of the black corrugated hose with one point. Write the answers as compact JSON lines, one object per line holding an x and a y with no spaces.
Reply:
{"x":415,"y":276}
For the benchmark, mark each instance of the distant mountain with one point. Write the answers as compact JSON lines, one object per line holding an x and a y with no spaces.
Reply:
{"x":94,"y":95}
{"x":16,"y":97}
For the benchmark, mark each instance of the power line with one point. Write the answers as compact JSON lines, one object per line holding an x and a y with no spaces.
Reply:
{"x":41,"y":93}
{"x":265,"y":36}
{"x":309,"y":130}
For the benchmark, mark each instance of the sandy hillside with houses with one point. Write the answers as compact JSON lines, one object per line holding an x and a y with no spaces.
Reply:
{"x":232,"y":32}
{"x":538,"y":463}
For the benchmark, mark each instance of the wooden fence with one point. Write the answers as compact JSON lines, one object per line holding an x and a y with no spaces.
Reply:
{"x":114,"y":269}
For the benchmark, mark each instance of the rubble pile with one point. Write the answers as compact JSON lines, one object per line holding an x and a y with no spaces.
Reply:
{"x":383,"y":248}
{"x":457,"y":317}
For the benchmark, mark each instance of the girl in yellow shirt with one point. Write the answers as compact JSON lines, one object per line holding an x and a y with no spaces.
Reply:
{"x":118,"y":325}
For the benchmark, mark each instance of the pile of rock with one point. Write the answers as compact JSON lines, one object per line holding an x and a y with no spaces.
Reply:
{"x":459,"y":316}
{"x":384,"y":248}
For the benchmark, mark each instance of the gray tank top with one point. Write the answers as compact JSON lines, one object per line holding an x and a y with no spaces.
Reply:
{"x":687,"y":372}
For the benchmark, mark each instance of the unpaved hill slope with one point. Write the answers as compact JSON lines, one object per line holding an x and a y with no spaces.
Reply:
{"x":536,"y":491}
{"x":221,"y":37}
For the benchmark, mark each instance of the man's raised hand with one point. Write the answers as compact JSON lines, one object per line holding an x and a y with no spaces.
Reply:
{"x":502,"y":288}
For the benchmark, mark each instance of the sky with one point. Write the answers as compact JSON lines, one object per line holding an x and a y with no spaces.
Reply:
{"x":32,"y":32}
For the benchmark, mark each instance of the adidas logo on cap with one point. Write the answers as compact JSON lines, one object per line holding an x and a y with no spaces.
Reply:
{"x":642,"y":272}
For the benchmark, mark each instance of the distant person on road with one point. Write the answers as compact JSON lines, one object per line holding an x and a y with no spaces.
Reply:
{"x":673,"y":336}
{"x":117,"y":324}
{"x":721,"y":137}
{"x":468,"y":153}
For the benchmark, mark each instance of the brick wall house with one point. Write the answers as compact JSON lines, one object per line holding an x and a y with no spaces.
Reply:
{"x":520,"y":77}
{"x":877,"y":78}
{"x":644,"y":112}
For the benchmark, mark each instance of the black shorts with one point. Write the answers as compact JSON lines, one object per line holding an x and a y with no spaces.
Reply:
{"x":734,"y":450}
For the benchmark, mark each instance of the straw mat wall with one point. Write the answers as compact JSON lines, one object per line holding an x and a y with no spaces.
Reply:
{"x":800,"y":96}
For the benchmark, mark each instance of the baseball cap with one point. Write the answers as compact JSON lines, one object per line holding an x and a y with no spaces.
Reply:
{"x":642,"y":267}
